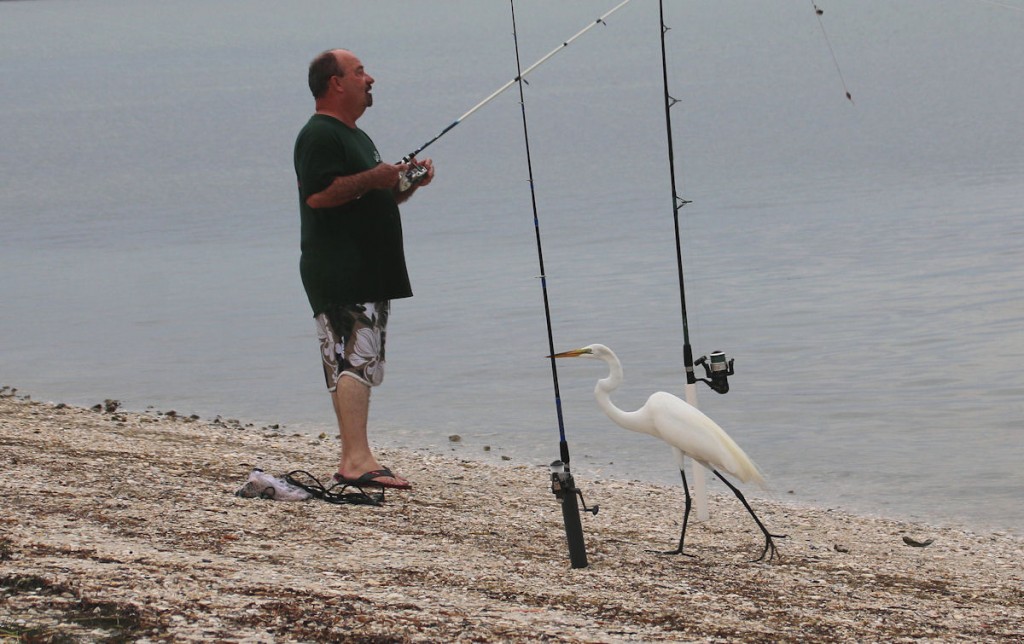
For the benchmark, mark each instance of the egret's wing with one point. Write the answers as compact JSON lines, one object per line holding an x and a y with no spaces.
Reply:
{"x":690,"y":430}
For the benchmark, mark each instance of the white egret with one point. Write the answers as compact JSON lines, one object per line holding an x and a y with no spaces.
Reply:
{"x":686,"y":429}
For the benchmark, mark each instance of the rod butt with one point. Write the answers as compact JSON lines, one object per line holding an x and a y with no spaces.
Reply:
{"x":573,"y":528}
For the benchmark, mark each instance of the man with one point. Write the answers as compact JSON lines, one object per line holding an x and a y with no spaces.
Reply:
{"x":353,"y":263}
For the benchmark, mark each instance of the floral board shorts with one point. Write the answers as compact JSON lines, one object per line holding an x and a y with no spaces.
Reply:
{"x":352,"y":342}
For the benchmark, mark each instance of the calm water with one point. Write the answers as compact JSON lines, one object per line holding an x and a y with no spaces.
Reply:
{"x":861,"y":262}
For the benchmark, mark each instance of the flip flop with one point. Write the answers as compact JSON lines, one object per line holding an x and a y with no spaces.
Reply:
{"x":369,"y":479}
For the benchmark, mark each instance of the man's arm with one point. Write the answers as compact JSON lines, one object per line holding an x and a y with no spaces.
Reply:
{"x":383,"y":176}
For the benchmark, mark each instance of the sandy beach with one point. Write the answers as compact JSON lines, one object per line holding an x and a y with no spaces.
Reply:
{"x":121,"y":526}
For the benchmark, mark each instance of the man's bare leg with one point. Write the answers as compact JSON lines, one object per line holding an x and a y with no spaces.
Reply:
{"x":352,"y":407}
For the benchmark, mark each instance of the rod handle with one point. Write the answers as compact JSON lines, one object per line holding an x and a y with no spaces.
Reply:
{"x":574,"y":530}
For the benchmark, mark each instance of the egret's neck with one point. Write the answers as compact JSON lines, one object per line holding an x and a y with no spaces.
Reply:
{"x":602,"y":392}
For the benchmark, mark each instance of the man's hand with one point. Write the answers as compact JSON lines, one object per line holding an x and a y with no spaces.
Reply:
{"x":385,"y":175}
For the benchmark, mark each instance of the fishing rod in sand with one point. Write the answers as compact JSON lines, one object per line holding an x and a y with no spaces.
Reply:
{"x":415,"y":173}
{"x":562,"y":483}
{"x":717,"y":367}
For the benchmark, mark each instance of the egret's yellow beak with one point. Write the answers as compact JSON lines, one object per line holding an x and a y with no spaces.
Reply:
{"x":575,"y":353}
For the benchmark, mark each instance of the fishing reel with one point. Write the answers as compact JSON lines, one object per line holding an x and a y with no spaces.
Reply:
{"x":411,"y":176}
{"x":562,"y":485}
{"x":718,"y":369}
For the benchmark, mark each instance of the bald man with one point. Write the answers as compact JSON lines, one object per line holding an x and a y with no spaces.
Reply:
{"x":353,"y":261}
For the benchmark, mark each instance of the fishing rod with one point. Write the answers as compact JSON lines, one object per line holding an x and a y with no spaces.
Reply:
{"x":562,"y":483}
{"x":717,"y":367}
{"x":519,"y":76}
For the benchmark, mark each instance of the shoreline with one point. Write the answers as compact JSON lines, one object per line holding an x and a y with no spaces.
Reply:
{"x":494,"y":453}
{"x":125,"y":524}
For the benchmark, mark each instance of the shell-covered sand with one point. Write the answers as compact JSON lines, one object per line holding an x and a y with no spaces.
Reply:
{"x":124,"y":526}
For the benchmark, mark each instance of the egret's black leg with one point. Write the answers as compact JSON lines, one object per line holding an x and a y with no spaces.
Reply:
{"x":686,"y":517}
{"x":769,"y":544}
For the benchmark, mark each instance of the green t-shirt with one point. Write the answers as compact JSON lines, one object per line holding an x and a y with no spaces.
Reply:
{"x":353,"y":253}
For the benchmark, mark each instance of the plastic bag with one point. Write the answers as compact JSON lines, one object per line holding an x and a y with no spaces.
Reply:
{"x":266,"y":486}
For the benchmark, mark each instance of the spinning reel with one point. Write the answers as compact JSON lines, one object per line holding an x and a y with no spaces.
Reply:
{"x":562,"y":484}
{"x":717,"y":370}
{"x":411,"y":177}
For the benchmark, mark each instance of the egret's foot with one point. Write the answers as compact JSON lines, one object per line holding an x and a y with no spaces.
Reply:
{"x":769,"y":547}
{"x":677,"y":551}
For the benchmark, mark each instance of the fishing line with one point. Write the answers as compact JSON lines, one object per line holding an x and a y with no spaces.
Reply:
{"x":1001,"y":4}
{"x":562,"y":483}
{"x":818,"y":13}
{"x":519,"y":76}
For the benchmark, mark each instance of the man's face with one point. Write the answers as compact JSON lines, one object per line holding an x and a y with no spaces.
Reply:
{"x":356,"y":84}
